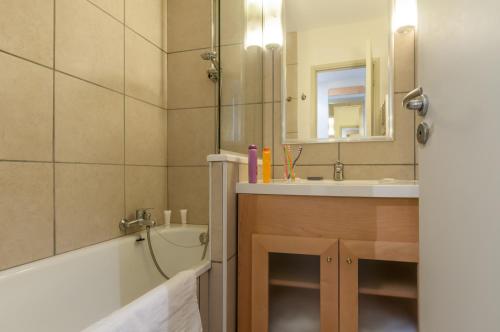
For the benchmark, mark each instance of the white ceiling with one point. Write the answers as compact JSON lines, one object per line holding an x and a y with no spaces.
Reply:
{"x":303,"y":15}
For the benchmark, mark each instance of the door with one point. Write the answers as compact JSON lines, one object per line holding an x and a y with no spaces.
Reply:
{"x":459,"y":168}
{"x":294,"y":284}
{"x":378,"y":286}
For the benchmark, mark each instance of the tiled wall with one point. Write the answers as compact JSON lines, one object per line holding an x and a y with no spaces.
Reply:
{"x":82,"y":122}
{"x":192,"y":108}
{"x":369,"y":160}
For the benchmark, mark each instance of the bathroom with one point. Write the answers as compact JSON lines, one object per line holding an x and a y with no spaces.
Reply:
{"x":132,"y":201}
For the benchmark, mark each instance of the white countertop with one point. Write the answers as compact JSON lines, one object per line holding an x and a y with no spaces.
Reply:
{"x":349,"y":188}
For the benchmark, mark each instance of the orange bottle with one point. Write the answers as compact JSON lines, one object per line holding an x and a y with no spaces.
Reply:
{"x":266,"y":165}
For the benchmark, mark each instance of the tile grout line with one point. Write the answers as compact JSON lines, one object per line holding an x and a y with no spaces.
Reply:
{"x":87,"y":81}
{"x":124,"y":116}
{"x":125,"y":25}
{"x":54,"y":225}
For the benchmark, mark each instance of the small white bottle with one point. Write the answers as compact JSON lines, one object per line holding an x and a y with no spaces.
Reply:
{"x":167,"y":214}
{"x":184,"y":217}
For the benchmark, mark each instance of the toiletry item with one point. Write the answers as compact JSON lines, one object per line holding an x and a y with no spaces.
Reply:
{"x":314,"y":178}
{"x":184,"y":213}
{"x":266,"y":165}
{"x":252,"y":164}
{"x":166,"y":215}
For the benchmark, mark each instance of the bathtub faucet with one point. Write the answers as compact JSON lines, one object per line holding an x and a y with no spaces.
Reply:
{"x":142,"y":218}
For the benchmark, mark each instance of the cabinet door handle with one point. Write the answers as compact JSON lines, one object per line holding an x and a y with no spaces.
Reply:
{"x":348,"y":260}
{"x":329,"y":259}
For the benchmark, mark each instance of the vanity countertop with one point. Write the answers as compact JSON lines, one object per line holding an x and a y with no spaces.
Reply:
{"x":348,"y":188}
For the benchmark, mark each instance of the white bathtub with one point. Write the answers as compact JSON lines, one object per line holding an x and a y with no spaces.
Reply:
{"x":71,"y":291}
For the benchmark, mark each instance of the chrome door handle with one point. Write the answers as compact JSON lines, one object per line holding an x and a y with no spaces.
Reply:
{"x":416,"y":100}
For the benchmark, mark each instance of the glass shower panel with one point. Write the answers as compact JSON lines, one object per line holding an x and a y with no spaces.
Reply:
{"x":240,"y":87}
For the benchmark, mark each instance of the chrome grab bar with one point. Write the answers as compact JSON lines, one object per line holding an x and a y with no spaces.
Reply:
{"x":416,"y":100}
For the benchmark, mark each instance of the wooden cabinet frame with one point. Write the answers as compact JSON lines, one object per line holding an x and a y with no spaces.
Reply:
{"x":350,"y":254}
{"x":380,"y":220}
{"x":326,"y":249}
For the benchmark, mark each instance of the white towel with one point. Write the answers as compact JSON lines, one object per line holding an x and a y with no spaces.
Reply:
{"x":170,"y":307}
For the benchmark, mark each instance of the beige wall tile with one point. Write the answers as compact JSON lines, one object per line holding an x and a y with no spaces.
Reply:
{"x":145,"y":17}
{"x":89,"y":43}
{"x":291,"y":48}
{"x":304,"y":171}
{"x":27,"y":29}
{"x":376,"y":172}
{"x":145,"y":134}
{"x":216,"y":212}
{"x":243,"y":126}
{"x":88,"y":122}
{"x":26,"y":111}
{"x":203,"y":299}
{"x":191,"y":136}
{"x":188,"y":189}
{"x":231,"y":295}
{"x":404,"y":61}
{"x":215,"y":289}
{"x":26,"y":202}
{"x":113,"y":7}
{"x":399,"y":151}
{"x":242,"y":75}
{"x":143,"y":69}
{"x":243,"y":172}
{"x":267,"y":126}
{"x":291,"y":81}
{"x":268,"y":77}
{"x":188,"y":18}
{"x":232,"y":21}
{"x":188,"y":83}
{"x":89,"y":204}
{"x":232,"y":208}
{"x":146,"y":187}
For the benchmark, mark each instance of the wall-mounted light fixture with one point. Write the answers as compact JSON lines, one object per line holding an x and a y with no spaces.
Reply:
{"x":253,"y":23}
{"x":404,"y":16}
{"x":273,"y":24}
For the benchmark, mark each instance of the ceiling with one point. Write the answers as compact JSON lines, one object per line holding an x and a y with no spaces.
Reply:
{"x":309,"y":14}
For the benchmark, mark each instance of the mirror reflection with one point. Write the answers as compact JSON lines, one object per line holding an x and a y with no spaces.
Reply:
{"x":338,"y":71}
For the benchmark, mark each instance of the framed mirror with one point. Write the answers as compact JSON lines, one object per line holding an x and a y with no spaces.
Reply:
{"x":337,"y":71}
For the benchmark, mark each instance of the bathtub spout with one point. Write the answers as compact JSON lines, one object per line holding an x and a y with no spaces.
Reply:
{"x":143,"y":218}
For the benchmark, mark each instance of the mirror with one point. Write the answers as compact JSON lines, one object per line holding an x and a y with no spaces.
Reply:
{"x":337,"y":71}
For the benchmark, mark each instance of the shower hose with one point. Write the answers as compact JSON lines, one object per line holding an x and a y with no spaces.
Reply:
{"x":151,"y":251}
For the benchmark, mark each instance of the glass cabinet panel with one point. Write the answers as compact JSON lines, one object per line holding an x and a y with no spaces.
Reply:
{"x":387,"y":296}
{"x":294,"y":293}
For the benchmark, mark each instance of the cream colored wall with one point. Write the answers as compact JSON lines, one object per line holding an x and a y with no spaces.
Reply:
{"x":82,"y":122}
{"x":340,"y":42}
{"x":368,"y":160}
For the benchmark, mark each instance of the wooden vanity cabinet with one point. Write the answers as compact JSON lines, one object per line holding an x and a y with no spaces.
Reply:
{"x":329,"y":263}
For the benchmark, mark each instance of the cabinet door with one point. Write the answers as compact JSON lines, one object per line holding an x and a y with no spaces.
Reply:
{"x":294,"y":283}
{"x":378,"y":286}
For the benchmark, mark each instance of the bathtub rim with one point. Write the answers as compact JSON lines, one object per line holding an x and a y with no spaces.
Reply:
{"x":199,"y":269}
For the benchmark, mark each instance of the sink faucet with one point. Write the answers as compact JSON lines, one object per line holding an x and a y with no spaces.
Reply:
{"x":338,"y":173}
{"x":142,"y":218}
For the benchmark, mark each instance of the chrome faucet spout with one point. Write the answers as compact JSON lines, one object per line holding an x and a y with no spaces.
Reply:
{"x":143,"y":219}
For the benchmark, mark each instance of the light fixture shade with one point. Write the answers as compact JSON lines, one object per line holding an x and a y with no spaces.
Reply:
{"x":404,"y":15}
{"x":273,"y":25}
{"x":253,"y":23}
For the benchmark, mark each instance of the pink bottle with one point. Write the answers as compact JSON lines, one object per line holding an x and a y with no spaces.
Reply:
{"x":252,"y":164}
